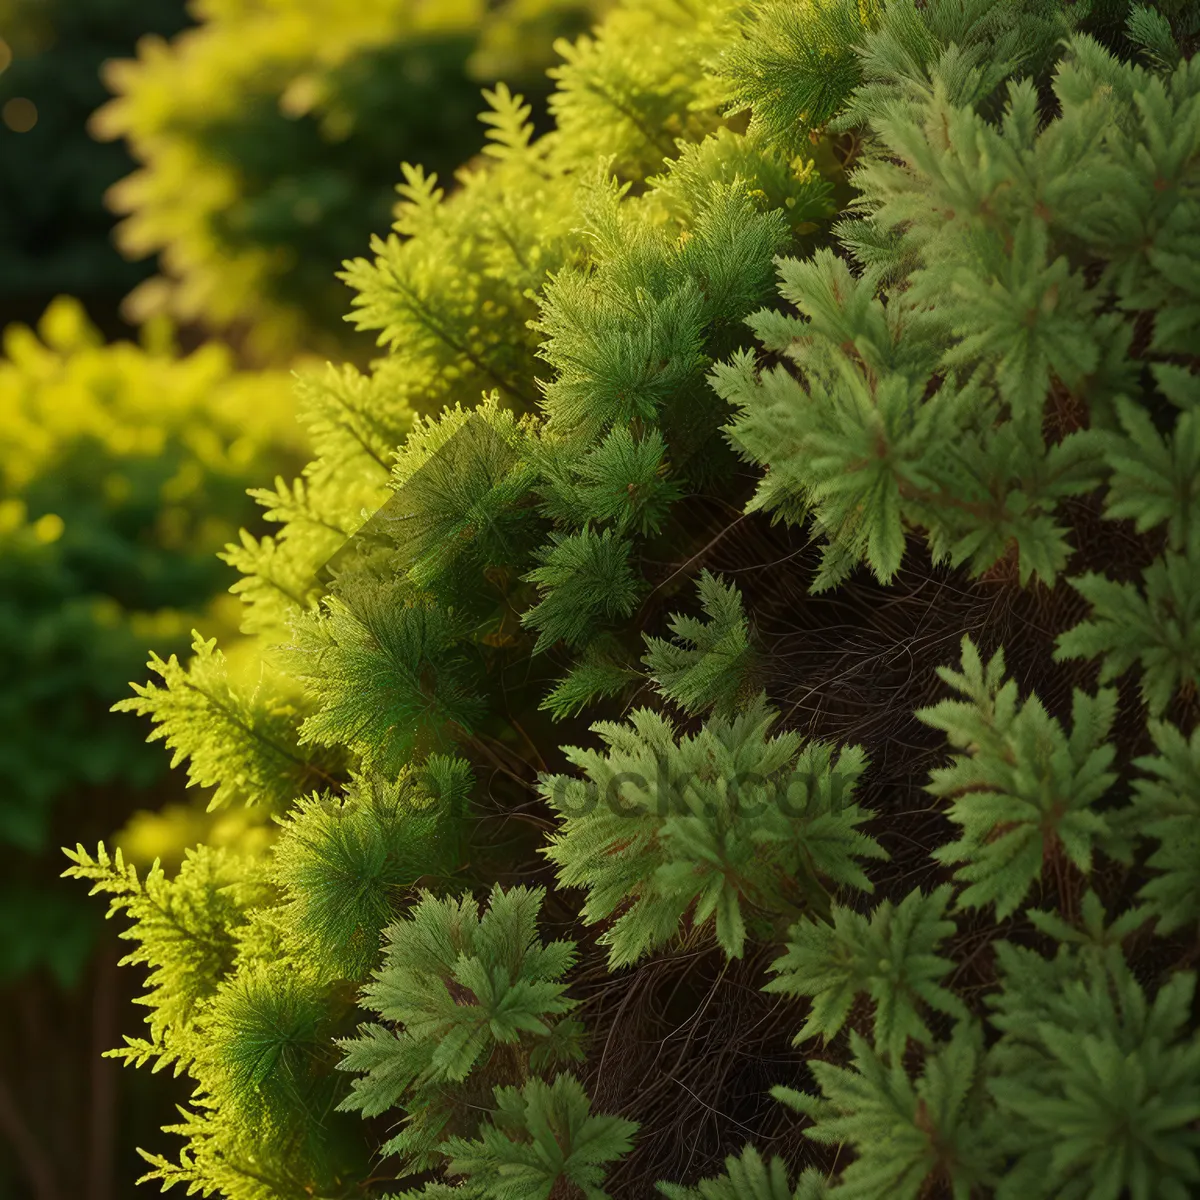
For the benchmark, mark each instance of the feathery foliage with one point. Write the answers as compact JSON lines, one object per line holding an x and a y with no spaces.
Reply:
{"x":711,"y":663}
{"x":475,"y":998}
{"x":1166,"y":807}
{"x":390,"y":668}
{"x":268,"y":140}
{"x":748,"y":1177}
{"x":905,"y":1132}
{"x":1025,"y":792}
{"x":245,"y":743}
{"x":675,"y":832}
{"x":186,"y":929}
{"x":584,"y":578}
{"x":542,"y":1139}
{"x":980,"y":217}
{"x":343,"y":864}
{"x":888,"y":956}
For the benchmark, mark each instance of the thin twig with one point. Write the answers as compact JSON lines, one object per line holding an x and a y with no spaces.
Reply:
{"x":102,"y":1125}
{"x":34,"y":1161}
{"x":699,"y":554}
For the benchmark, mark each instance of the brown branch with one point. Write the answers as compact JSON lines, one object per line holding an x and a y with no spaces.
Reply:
{"x":34,"y":1161}
{"x":102,"y":1125}
{"x":688,"y":562}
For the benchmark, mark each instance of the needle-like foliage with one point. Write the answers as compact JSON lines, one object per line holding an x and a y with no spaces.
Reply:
{"x":467,"y":999}
{"x":888,"y":956}
{"x":670,"y":833}
{"x":916,"y":282}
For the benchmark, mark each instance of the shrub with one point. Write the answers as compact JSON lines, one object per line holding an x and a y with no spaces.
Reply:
{"x":123,"y":471}
{"x":954,"y":347}
{"x":270,"y":135}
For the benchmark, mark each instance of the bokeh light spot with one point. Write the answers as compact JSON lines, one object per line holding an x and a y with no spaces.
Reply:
{"x":20,"y":114}
{"x":49,"y":528}
{"x":5,"y":55}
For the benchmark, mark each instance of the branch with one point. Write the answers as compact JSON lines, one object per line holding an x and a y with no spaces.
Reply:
{"x":34,"y":1161}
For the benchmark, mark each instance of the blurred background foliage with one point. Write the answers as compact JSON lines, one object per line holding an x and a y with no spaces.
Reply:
{"x":271,"y":135}
{"x":246,"y":148}
{"x":123,"y":471}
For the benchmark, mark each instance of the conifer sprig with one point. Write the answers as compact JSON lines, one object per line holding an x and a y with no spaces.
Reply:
{"x":1156,"y":626}
{"x":1166,"y":808}
{"x":709,"y":664}
{"x":388,"y":671}
{"x":469,"y":995}
{"x":906,"y":1133}
{"x":186,"y":931}
{"x":584,"y":578}
{"x":244,"y":743}
{"x":889,"y":956}
{"x":542,"y":1140}
{"x":599,"y":672}
{"x":727,"y":825}
{"x":748,"y":1177}
{"x":1023,"y":791}
{"x":345,"y":865}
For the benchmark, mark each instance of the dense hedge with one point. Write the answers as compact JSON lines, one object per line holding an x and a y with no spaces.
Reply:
{"x":751,"y":750}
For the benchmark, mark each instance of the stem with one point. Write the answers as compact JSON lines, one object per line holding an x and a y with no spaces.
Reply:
{"x":102,"y":1126}
{"x":34,"y":1161}
{"x":699,"y":554}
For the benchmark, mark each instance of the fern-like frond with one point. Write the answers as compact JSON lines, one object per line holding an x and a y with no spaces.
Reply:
{"x":888,"y":956}
{"x":723,"y":826}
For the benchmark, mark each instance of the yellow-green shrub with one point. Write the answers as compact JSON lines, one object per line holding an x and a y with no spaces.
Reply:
{"x":123,"y":470}
{"x":271,"y":137}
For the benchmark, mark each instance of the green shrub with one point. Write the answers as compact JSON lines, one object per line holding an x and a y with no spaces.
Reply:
{"x":954,"y":348}
{"x":270,"y":137}
{"x":123,"y":470}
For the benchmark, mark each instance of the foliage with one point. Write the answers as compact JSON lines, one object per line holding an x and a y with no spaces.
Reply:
{"x":1167,"y":809}
{"x":341,"y":863}
{"x":728,"y":820}
{"x":269,"y":137}
{"x":1096,"y":1080}
{"x":889,"y":956}
{"x":905,"y":1131}
{"x":244,"y":744}
{"x":710,"y":662}
{"x":980,"y":219}
{"x":122,"y":470}
{"x":1156,"y":631}
{"x":584,"y":578}
{"x":543,"y":1139}
{"x":1027,"y":791}
{"x":254,"y":961}
{"x":566,"y":1144}
{"x":186,"y":928}
{"x":928,"y":412}
{"x":390,"y":668}
{"x":749,"y":1178}
{"x":475,"y":998}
